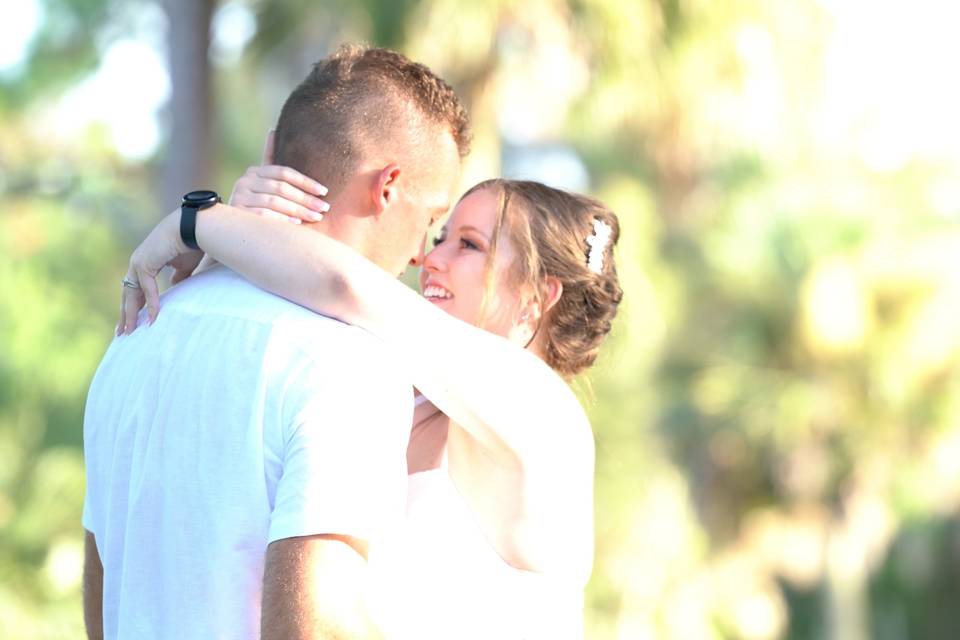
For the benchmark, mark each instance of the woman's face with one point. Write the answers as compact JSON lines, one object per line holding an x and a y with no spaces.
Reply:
{"x":454,"y":272}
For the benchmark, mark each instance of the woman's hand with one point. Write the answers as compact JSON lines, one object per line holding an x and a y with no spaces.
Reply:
{"x":279,"y":192}
{"x":161,"y":248}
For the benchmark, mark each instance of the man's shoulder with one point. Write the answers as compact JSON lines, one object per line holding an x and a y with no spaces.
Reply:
{"x":222,"y":292}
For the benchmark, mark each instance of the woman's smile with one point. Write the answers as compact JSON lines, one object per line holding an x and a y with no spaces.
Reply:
{"x":436,"y":293}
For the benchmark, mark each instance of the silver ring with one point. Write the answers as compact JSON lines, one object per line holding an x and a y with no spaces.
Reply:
{"x":130,"y":284}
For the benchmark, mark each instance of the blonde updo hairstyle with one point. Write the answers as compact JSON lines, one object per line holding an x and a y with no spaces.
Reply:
{"x":549,"y":229}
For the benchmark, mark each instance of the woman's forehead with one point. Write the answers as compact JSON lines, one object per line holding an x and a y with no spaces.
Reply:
{"x":479,"y":209}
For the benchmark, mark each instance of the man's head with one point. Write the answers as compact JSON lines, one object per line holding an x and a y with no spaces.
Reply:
{"x":386,"y":136}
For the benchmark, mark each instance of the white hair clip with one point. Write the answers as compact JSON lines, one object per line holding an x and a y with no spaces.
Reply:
{"x":598,"y":245}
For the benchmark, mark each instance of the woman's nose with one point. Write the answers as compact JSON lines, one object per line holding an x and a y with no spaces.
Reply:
{"x":433,"y":260}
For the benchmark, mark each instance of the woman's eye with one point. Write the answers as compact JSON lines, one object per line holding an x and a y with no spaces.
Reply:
{"x":467,"y":244}
{"x":438,"y":240}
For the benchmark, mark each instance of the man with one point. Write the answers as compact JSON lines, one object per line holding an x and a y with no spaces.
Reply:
{"x":243,"y":450}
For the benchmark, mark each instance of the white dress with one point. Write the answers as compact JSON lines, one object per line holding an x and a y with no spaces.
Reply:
{"x":439,"y":578}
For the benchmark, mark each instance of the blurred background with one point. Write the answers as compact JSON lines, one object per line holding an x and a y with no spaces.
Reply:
{"x":778,"y":410}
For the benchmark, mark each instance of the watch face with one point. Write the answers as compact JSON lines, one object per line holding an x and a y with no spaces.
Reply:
{"x":201,"y":197}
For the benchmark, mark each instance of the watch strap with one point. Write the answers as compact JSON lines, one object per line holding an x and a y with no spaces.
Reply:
{"x":188,"y":225}
{"x":191,"y":204}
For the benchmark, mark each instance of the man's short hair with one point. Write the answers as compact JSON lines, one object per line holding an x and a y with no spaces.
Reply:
{"x":358,"y":97}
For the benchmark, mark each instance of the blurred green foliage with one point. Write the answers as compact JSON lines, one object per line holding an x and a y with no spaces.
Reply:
{"x":776,"y":412}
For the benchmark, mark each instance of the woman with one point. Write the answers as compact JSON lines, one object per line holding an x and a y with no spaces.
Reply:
{"x":499,"y":537}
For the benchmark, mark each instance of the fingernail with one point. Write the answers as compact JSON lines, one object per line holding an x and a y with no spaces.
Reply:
{"x":314,"y":216}
{"x":294,"y":220}
{"x":321,"y":190}
{"x":324,"y":206}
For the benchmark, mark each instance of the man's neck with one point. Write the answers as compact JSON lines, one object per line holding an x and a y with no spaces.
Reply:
{"x":345,"y":223}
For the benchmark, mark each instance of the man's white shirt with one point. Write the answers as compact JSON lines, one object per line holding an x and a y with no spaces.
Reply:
{"x":235,"y":420}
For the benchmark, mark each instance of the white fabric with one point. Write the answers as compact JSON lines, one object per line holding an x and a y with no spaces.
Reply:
{"x":439,"y":579}
{"x":235,"y":420}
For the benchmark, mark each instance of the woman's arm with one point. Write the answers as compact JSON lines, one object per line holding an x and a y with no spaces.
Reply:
{"x":504,"y":396}
{"x":475,"y":377}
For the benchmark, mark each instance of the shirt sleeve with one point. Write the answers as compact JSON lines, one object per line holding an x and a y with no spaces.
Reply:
{"x":344,"y":458}
{"x":86,"y":518}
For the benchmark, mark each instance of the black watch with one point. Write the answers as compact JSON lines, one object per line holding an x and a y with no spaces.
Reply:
{"x":193,"y":202}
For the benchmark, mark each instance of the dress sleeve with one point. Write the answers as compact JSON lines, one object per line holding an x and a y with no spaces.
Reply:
{"x":344,"y":455}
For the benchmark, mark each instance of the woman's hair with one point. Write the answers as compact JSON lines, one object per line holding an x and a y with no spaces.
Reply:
{"x":549,"y":229}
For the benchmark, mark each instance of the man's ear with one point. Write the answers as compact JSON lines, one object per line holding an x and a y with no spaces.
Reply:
{"x":385,"y":188}
{"x":268,"y":147}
